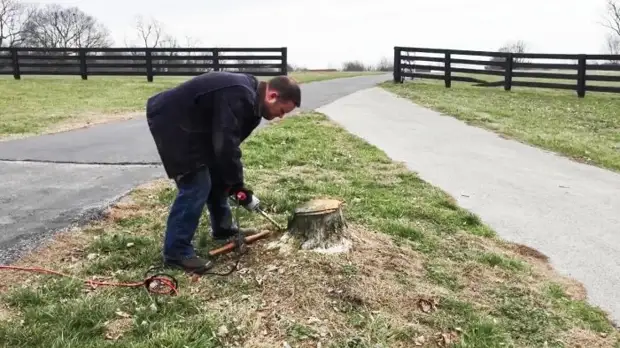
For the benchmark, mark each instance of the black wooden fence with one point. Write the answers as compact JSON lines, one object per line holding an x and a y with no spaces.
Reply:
{"x":510,"y":66}
{"x":147,"y":62}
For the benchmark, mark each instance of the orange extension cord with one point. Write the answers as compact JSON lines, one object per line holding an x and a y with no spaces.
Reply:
{"x":166,"y":281}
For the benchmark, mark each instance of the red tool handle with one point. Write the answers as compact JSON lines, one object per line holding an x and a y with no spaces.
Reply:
{"x":241,"y":196}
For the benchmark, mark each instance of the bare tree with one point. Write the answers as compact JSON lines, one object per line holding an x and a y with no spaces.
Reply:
{"x":54,"y":26}
{"x":509,"y":47}
{"x":515,"y":47}
{"x":13,"y":15}
{"x":192,"y":42}
{"x":385,"y":65}
{"x":612,"y":20}
{"x":169,"y":41}
{"x":149,"y":33}
{"x":612,"y":46}
{"x":355,"y":65}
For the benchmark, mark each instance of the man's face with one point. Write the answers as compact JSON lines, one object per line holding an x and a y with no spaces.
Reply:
{"x":274,"y":108}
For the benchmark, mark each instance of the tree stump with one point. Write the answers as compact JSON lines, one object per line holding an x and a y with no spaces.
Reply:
{"x":318,"y":225}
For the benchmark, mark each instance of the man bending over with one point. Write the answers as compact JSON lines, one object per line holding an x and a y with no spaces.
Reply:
{"x":198,"y":127}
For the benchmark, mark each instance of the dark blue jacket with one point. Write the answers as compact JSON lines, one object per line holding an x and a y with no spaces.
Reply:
{"x":202,"y":122}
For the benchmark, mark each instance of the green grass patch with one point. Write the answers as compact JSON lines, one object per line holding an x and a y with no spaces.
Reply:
{"x":495,"y":260}
{"x":441,"y":275}
{"x":43,"y":104}
{"x":582,"y":313}
{"x":587,"y":129}
{"x":419,"y":244}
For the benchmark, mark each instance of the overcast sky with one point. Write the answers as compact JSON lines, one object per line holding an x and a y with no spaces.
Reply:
{"x":372,"y":29}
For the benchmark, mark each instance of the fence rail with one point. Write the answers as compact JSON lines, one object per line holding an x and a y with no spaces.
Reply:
{"x":149,"y":62}
{"x":509,"y":66}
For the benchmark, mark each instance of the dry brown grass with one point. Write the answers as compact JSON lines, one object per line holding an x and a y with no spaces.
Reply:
{"x":320,"y":293}
{"x":312,"y":295}
{"x":379,"y":289}
{"x":579,"y":338}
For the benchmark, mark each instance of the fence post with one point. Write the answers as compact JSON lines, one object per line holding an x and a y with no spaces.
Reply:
{"x":508,"y":72}
{"x":581,"y":76}
{"x":149,"y":65}
{"x":216,"y":60}
{"x":447,"y":70}
{"x":16,"y":72}
{"x":397,"y":70}
{"x":284,"y":67}
{"x":83,"y":70}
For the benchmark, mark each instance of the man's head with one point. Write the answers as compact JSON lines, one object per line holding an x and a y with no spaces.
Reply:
{"x":281,"y":96}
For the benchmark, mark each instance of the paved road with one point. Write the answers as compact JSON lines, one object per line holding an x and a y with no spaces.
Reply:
{"x":567,"y":210}
{"x":51,"y":181}
{"x":39,"y":198}
{"x":130,"y":141}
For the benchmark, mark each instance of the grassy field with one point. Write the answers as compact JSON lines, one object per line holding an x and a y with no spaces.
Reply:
{"x":589,"y":74}
{"x":423,"y":272}
{"x":42,"y":104}
{"x":586,"y":130}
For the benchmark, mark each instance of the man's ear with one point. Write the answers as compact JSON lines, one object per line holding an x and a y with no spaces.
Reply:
{"x":272,"y":96}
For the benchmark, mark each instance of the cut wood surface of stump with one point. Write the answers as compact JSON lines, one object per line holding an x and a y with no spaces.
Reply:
{"x":318,"y":225}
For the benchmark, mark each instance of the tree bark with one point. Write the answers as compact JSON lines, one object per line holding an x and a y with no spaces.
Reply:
{"x":318,"y":225}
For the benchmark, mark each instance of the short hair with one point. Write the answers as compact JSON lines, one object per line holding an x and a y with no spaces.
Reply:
{"x":287,"y":88}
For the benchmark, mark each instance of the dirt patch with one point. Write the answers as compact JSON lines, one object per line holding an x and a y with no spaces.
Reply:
{"x":125,"y":208}
{"x":580,"y":338}
{"x":116,"y":328}
{"x":319,"y":294}
{"x":526,"y":251}
{"x":63,"y":253}
{"x":541,"y":271}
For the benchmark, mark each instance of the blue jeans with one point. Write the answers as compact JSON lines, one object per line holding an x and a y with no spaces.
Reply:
{"x":194,"y":191}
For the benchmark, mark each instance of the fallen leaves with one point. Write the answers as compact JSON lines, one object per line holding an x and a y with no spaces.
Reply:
{"x":222,"y":330}
{"x":114,"y":329}
{"x":427,"y":305}
{"x":446,"y":339}
{"x":443,"y":339}
{"x":419,"y":341}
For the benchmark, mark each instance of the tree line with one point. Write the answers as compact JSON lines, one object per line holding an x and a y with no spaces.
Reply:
{"x":54,"y":26}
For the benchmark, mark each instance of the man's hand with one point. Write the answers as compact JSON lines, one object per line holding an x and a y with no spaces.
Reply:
{"x":246,"y":198}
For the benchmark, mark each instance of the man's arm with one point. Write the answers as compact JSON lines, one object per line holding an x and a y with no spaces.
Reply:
{"x":230,"y":107}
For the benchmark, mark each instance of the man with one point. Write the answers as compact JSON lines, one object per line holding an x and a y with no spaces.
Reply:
{"x":198,"y":127}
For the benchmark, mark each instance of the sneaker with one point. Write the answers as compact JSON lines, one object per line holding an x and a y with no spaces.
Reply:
{"x":193,"y":264}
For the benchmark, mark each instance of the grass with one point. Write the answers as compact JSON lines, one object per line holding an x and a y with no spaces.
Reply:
{"x":587,"y":130}
{"x":423,"y":270}
{"x":589,"y":74}
{"x":46,"y":104}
